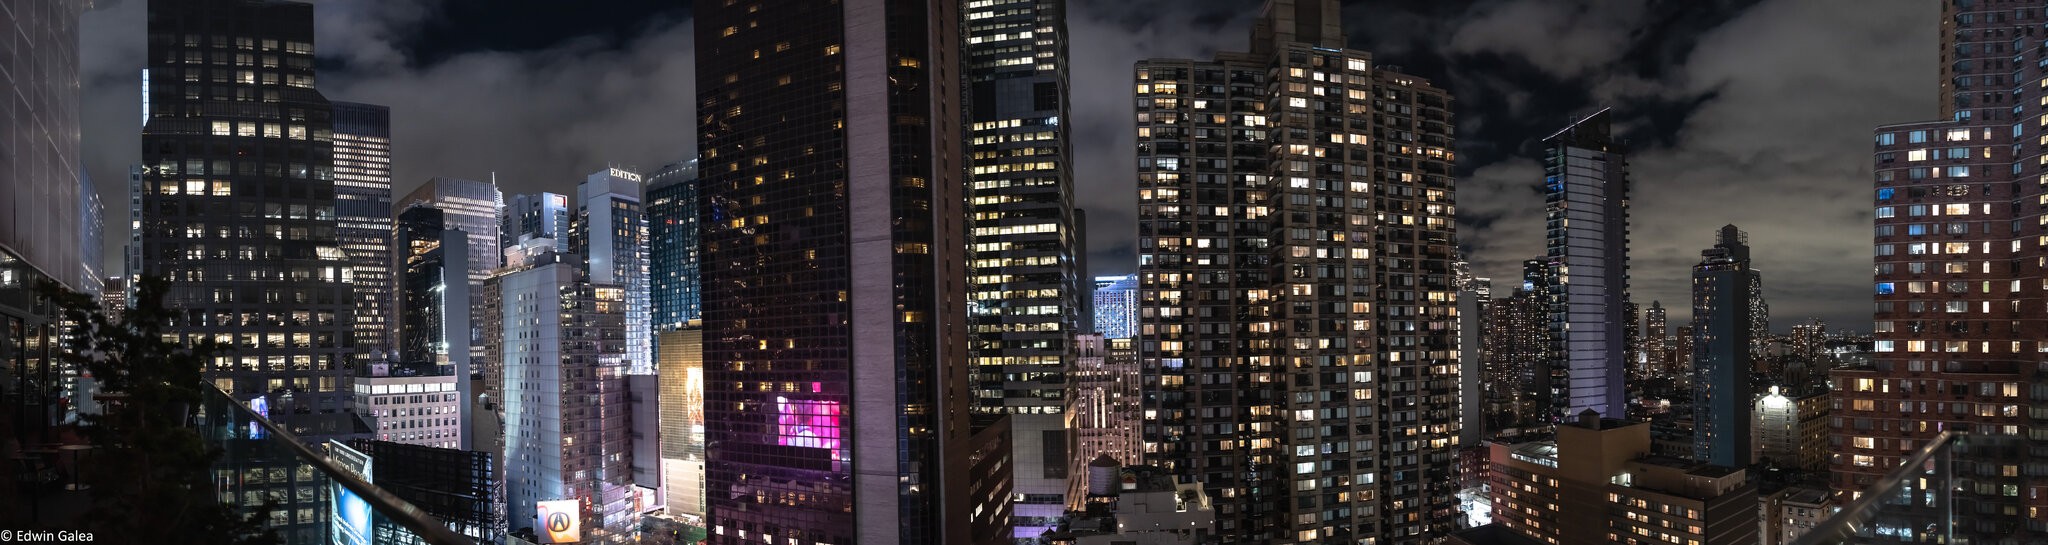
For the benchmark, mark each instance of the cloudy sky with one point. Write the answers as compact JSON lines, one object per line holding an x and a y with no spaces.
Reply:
{"x":1738,"y":111}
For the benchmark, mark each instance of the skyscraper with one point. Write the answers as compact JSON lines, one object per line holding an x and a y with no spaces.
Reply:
{"x":539,"y":215}
{"x":1294,"y":222}
{"x":1656,"y":341}
{"x":565,"y":447}
{"x":1518,"y":348}
{"x":1024,"y":286}
{"x":472,"y":207}
{"x":1116,"y":306}
{"x":609,"y":231}
{"x":433,"y":290}
{"x":238,"y":198}
{"x":672,"y":246}
{"x":362,"y":209}
{"x":832,"y":199}
{"x":1585,"y":179}
{"x":1959,"y":253}
{"x":1475,"y":297}
{"x":39,"y":182}
{"x":1722,"y":316}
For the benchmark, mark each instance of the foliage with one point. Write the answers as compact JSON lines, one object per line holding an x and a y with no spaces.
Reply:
{"x":152,"y":471}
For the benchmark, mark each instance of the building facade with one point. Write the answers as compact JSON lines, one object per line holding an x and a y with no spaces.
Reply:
{"x":417,"y":404}
{"x":39,"y":165}
{"x":536,"y":215}
{"x":1025,"y":287}
{"x":1598,"y":483}
{"x":1116,"y":306}
{"x":1518,"y":350}
{"x":1656,"y":341}
{"x":1723,"y":393}
{"x":831,"y":162}
{"x":1958,"y":255}
{"x":362,"y":210}
{"x":1586,"y":186}
{"x":1792,"y":430}
{"x":672,"y":252}
{"x":1297,"y":312}
{"x":474,"y":208}
{"x":568,"y":336}
{"x":609,"y":231}
{"x":682,"y":419}
{"x":1106,"y":397}
{"x":238,"y":198}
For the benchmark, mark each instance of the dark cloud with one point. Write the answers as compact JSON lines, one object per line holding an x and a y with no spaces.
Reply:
{"x":1738,"y":111}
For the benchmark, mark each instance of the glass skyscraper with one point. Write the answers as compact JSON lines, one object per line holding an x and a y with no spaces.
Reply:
{"x":832,"y":205}
{"x":672,"y":245}
{"x":1586,"y":185}
{"x":1116,"y":306}
{"x":609,"y":231}
{"x":1722,"y":308}
{"x":40,"y":181}
{"x":1024,"y":287}
{"x":538,"y":215}
{"x":362,"y":206}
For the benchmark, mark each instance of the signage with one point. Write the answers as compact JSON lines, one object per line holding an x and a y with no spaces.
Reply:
{"x":560,"y":521}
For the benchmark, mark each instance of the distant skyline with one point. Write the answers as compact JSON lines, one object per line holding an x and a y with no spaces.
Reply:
{"x":1737,"y":111}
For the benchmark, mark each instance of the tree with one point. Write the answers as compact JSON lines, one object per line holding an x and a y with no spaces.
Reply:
{"x":152,"y":479}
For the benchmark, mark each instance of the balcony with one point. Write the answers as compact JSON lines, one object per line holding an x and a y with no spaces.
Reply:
{"x":1937,"y":496}
{"x":314,"y":499}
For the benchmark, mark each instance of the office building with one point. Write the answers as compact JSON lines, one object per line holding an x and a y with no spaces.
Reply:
{"x":412,"y":403}
{"x":1104,"y":420}
{"x":40,"y":164}
{"x":472,"y":207}
{"x":571,"y":335}
{"x":1025,"y":283}
{"x":682,"y":419}
{"x":1295,"y":215}
{"x":672,"y":247}
{"x":1116,"y":306}
{"x":1586,"y":186}
{"x":363,"y":216}
{"x":609,"y":231}
{"x":1597,"y":482}
{"x":831,"y":155}
{"x":1792,"y":429}
{"x":1722,"y":342}
{"x":1958,"y":251}
{"x":238,"y":198}
{"x":92,"y":217}
{"x":536,"y":215}
{"x":433,"y":317}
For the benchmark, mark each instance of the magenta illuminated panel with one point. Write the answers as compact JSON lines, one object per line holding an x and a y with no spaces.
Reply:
{"x":807,"y":423}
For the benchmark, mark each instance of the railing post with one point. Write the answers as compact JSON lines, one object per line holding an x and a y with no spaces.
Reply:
{"x":1944,"y":477}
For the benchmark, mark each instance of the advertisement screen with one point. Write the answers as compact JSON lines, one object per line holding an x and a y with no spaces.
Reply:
{"x":561,"y":521}
{"x":807,"y":423}
{"x":351,"y":523}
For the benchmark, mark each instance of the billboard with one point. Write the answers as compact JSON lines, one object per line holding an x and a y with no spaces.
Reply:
{"x":560,"y":521}
{"x":808,"y":423}
{"x":351,"y":522}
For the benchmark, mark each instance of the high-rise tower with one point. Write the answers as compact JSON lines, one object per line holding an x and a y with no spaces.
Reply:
{"x":1298,"y":325}
{"x":1959,"y":253}
{"x":1722,"y":314}
{"x":609,"y":231}
{"x":362,"y":209}
{"x":831,"y":163}
{"x":1024,"y":288}
{"x":238,"y":197}
{"x":1585,"y":179}
{"x":672,"y":253}
{"x":40,"y":184}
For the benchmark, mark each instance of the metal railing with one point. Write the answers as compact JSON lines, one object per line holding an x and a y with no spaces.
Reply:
{"x":1913,"y":502}
{"x":313,"y":500}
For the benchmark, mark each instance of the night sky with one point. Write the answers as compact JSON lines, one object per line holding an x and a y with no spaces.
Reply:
{"x":1752,"y":113}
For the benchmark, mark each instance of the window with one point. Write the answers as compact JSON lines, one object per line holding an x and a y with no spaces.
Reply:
{"x":1916,"y":137}
{"x":1887,"y":139}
